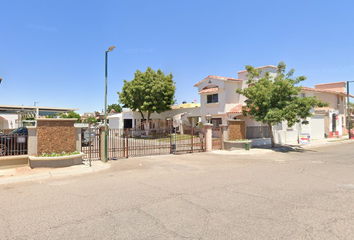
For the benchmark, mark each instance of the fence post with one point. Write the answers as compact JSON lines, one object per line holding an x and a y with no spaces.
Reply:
{"x":32,"y":140}
{"x":192,"y":142}
{"x":224,"y":134}
{"x":78,"y":134}
{"x":127,"y":146}
{"x":208,"y":136}
{"x":102,"y":143}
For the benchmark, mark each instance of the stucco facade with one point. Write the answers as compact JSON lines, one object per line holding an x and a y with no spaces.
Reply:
{"x":218,"y":97}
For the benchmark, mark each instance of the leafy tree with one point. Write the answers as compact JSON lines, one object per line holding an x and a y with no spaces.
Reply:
{"x":148,"y":92}
{"x":271,"y":101}
{"x":93,"y":120}
{"x":72,"y":114}
{"x":114,"y":106}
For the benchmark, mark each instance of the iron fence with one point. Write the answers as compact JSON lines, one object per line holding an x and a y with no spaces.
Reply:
{"x":13,"y":144}
{"x":253,"y":132}
{"x":90,"y":143}
{"x":142,"y":141}
{"x":123,"y":143}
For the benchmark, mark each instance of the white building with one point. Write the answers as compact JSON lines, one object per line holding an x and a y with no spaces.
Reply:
{"x":218,"y":97}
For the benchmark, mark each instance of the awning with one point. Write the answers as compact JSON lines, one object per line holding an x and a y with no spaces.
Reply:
{"x":209,"y":90}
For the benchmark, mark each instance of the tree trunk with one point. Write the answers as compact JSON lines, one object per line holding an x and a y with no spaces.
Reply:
{"x":148,"y":117}
{"x":271,"y":134}
{"x":142,"y":116}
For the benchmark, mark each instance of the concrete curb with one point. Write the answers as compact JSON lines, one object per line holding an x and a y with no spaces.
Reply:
{"x":286,"y":148}
{"x":8,"y":176}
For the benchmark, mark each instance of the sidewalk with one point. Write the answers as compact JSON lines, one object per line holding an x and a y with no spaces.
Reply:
{"x":25,"y":173}
{"x":287,"y":147}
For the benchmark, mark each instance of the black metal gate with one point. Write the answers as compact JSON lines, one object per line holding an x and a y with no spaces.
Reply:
{"x":156,"y":137}
{"x":90,"y":143}
{"x":216,"y":138}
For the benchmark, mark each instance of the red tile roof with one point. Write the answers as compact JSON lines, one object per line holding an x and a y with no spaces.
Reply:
{"x":325,"y":91}
{"x":209,"y":90}
{"x":237,"y":108}
{"x":219,"y":78}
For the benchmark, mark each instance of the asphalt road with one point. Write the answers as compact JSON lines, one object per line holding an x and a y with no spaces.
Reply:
{"x":269,"y":195}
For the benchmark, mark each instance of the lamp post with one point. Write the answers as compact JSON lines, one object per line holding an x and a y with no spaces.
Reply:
{"x":110,"y":49}
{"x":208,"y":117}
{"x":348,"y":109}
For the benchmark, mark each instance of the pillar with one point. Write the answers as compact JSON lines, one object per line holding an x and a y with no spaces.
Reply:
{"x":78,"y":135}
{"x":102,"y":143}
{"x":208,"y":136}
{"x":225,"y":134}
{"x":32,"y":140}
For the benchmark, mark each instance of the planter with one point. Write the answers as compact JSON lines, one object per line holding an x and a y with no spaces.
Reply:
{"x":234,"y":145}
{"x":53,"y":162}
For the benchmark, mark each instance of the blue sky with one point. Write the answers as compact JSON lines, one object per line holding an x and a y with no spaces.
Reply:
{"x":52,"y":52}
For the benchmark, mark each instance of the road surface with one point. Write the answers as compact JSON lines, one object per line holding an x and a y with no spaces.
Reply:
{"x":269,"y":195}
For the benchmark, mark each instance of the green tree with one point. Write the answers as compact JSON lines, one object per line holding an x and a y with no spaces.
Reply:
{"x":271,"y":101}
{"x":93,"y":120}
{"x":148,"y":92}
{"x":72,"y":114}
{"x":114,"y":106}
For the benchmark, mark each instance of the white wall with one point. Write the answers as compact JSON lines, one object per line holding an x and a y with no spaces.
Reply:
{"x":317,"y":127}
{"x":116,"y":121}
{"x":227,"y":98}
{"x":272,"y":72}
{"x":11,"y":118}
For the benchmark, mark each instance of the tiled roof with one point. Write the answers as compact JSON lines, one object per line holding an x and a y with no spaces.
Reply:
{"x":209,"y":90}
{"x":325,"y":91}
{"x":219,"y":78}
{"x":237,"y":108}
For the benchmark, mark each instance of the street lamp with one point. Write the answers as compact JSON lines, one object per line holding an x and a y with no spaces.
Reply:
{"x":110,"y":49}
{"x":348,"y":109}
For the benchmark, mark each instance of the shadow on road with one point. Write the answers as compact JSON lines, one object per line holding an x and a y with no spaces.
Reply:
{"x":288,"y":148}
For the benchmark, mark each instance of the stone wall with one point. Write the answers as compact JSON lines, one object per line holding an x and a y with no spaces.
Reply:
{"x":55,"y":135}
{"x":237,"y":129}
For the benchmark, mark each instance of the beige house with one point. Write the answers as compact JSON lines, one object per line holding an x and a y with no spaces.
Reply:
{"x":219,"y":99}
{"x":335,"y":114}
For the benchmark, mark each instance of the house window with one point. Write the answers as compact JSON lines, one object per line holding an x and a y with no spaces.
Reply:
{"x":338,"y":100}
{"x":214,"y":98}
{"x":302,"y":95}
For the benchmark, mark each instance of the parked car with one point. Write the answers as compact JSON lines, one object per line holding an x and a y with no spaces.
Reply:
{"x":14,"y":143}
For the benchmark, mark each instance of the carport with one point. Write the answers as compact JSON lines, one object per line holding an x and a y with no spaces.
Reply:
{"x":11,"y":115}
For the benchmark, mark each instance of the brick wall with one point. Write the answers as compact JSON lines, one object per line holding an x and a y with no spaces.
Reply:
{"x":237,"y":129}
{"x":55,"y":135}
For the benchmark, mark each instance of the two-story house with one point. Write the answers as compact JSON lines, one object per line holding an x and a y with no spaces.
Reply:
{"x":336,"y":113}
{"x":218,"y":98}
